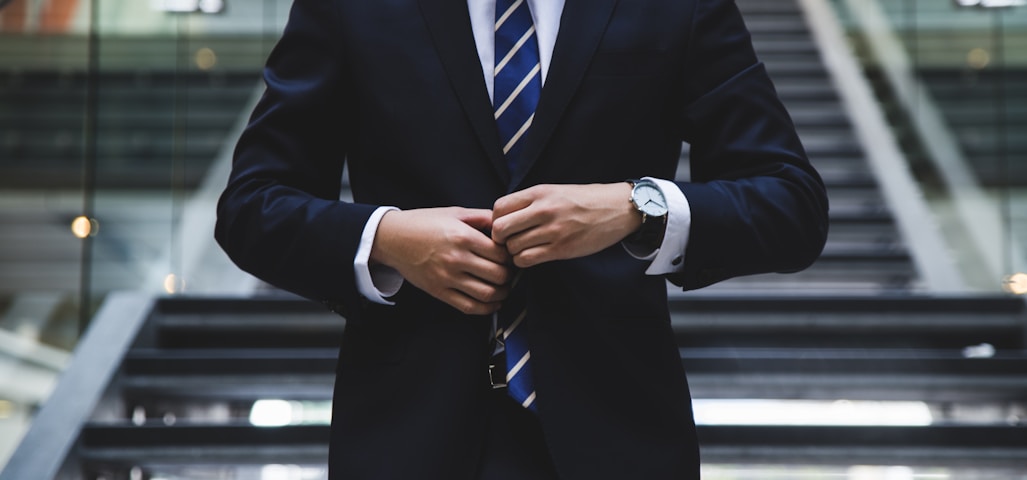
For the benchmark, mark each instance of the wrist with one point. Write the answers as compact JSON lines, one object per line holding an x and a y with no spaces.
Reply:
{"x":380,"y":248}
{"x":650,"y":204}
{"x":631,"y":218}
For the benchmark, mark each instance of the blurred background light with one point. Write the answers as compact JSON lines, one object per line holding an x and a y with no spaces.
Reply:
{"x":1016,"y":284}
{"x":809,"y":412}
{"x":83,"y":226}
{"x":271,"y":413}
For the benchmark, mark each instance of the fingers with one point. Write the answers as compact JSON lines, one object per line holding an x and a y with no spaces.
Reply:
{"x":478,"y":218}
{"x":480,"y":265}
{"x":475,"y":241}
{"x":449,"y":253}
{"x":466,"y":292}
{"x":445,"y":253}
{"x":555,"y":222}
{"x":487,"y":270}
{"x":514,"y":202}
{"x":516,"y":223}
{"x":472,"y":295}
{"x":535,"y":255}
{"x":482,"y":291}
{"x":525,"y":222}
{"x":468,"y":305}
{"x":518,"y":213}
{"x":537,"y":244}
{"x":539,"y":233}
{"x":488,"y":249}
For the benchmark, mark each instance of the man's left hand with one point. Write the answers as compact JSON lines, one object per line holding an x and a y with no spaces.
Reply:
{"x":558,"y":222}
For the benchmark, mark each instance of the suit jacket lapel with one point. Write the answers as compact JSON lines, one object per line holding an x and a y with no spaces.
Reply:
{"x":450,"y":27}
{"x":581,"y":28}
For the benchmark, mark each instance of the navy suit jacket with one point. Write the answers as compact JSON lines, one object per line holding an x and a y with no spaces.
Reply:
{"x":394,"y":90}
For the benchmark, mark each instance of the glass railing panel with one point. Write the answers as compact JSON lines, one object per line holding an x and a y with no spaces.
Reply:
{"x":175,"y":80}
{"x":951,"y":76}
{"x":112,"y":116}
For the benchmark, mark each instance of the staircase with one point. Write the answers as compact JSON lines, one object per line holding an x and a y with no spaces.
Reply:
{"x":973,"y":63}
{"x":176,"y":387}
{"x":865,"y":254}
{"x":155,"y":129}
{"x":173,"y":388}
{"x":158,"y":129}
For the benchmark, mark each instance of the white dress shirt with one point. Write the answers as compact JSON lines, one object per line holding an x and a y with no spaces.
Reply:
{"x":377,"y":282}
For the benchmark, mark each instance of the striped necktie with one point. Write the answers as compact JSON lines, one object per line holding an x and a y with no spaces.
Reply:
{"x":518,"y":77}
{"x":518,"y":84}
{"x":512,"y":333}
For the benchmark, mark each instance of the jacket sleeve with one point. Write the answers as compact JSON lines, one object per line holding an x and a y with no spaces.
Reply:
{"x":280,"y":217}
{"x":757,"y":204}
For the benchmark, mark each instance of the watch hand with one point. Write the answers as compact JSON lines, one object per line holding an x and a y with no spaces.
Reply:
{"x":658,"y":204}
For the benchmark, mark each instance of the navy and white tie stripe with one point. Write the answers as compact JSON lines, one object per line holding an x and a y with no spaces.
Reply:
{"x":518,"y":77}
{"x":512,"y":332}
{"x":518,"y":84}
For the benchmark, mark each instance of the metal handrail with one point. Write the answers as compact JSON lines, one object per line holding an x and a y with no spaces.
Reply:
{"x":95,"y":361}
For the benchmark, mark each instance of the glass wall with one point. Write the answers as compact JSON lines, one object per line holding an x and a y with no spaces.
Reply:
{"x":116,"y":119}
{"x":952,"y":76}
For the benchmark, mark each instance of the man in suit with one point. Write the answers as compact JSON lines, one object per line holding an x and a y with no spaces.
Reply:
{"x":577,"y":205}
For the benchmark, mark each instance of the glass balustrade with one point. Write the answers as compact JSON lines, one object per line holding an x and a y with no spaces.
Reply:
{"x":117,"y":121}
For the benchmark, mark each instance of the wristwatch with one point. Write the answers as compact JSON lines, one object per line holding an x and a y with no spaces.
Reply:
{"x":648,"y":199}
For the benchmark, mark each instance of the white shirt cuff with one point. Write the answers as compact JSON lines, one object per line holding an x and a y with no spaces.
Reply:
{"x":670,"y":257}
{"x":375,"y":282}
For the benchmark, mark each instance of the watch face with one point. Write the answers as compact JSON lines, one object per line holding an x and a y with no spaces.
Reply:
{"x":649,"y":199}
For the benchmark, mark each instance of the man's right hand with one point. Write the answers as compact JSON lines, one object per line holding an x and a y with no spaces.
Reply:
{"x":444,"y":252}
